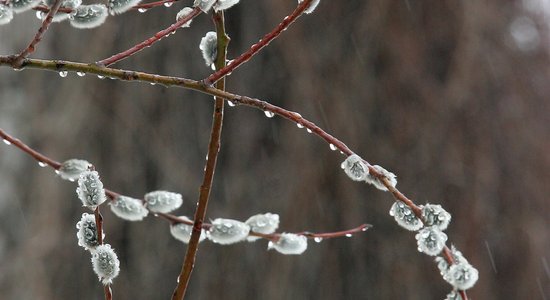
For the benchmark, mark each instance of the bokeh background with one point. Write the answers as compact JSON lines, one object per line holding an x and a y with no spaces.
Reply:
{"x":452,"y":96}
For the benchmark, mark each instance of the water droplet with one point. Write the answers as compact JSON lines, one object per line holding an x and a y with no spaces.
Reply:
{"x":57,"y":172}
{"x":39,"y":15}
{"x":168,"y":4}
{"x":7,"y":142}
{"x":42,"y":164}
{"x":269,"y":114}
{"x":63,"y":73}
{"x":81,"y":74}
{"x":142,"y":10}
{"x":100,"y":77}
{"x":332,"y":147}
{"x":299,"y":125}
{"x":232,"y":104}
{"x":152,"y":83}
{"x":365,"y":228}
{"x":309,"y":130}
{"x":349,"y":235}
{"x":318,"y":239}
{"x":156,"y":215}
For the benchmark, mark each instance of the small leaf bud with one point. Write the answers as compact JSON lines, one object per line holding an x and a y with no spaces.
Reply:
{"x":209,"y":47}
{"x":289,"y":244}
{"x":162,"y":201}
{"x":182,"y":231}
{"x":405,"y":217}
{"x":105,"y":263}
{"x":90,"y":190}
{"x":89,"y":16}
{"x":72,"y":168}
{"x":262,"y":223}
{"x":129,"y":209}
{"x":87,"y":232}
{"x":227,"y":231}
{"x":355,"y":168}
{"x":431,"y":240}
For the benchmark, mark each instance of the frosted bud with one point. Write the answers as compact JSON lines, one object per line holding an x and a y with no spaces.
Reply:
{"x":72,"y":168}
{"x":186,"y":11}
{"x":87,"y":232}
{"x":129,"y":209}
{"x":462,"y":276}
{"x":431,"y":240}
{"x":224,"y":4}
{"x":453,"y":295}
{"x":90,"y":190}
{"x":182,"y":231}
{"x":89,"y":16}
{"x":405,"y":217}
{"x":204,"y":5}
{"x":355,"y":168}
{"x":209,"y":47}
{"x":371,"y":179}
{"x":227,"y":231}
{"x":6,"y":14}
{"x":262,"y":223}
{"x":105,"y":263}
{"x":20,"y":6}
{"x":68,"y":4}
{"x":121,"y":6}
{"x":312,"y":5}
{"x":162,"y":201}
{"x":435,"y":215}
{"x":289,"y":243}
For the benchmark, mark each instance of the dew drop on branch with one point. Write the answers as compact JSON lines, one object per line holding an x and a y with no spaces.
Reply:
{"x":299,"y":125}
{"x":308,"y":130}
{"x":42,"y":164}
{"x":269,"y":114}
{"x":80,"y":74}
{"x":142,"y":10}
{"x":63,"y":74}
{"x":231,"y":103}
{"x":168,"y":4}
{"x":332,"y":147}
{"x":6,"y":142}
{"x":39,"y":15}
{"x":100,"y":77}
{"x":349,"y":235}
{"x":318,"y":239}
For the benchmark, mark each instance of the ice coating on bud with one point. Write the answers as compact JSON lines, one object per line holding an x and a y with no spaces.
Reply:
{"x":186,"y":11}
{"x":435,"y":215}
{"x":224,"y":4}
{"x":289,"y":244}
{"x":105,"y":263}
{"x":209,"y":47}
{"x":20,"y":6}
{"x":87,"y":232}
{"x":129,"y":209}
{"x":405,"y":217}
{"x":227,"y":231}
{"x":355,"y":168}
{"x":453,"y":295}
{"x":312,"y":5}
{"x":121,"y":6}
{"x":68,"y":4}
{"x":262,"y":223}
{"x":371,"y":179}
{"x":462,"y":276}
{"x":204,"y":5}
{"x":6,"y":14}
{"x":431,"y":240}
{"x":90,"y":189}
{"x":162,"y":201}
{"x":182,"y":231}
{"x":89,"y":16}
{"x":72,"y":168}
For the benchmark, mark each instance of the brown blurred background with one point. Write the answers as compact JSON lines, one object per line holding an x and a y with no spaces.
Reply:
{"x":452,"y":96}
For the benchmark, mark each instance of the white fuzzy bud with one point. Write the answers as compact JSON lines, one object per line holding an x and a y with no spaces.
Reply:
{"x":87,"y":232}
{"x":390,"y":177}
{"x":89,"y":16}
{"x":204,"y":5}
{"x":90,"y":190}
{"x":289,"y":244}
{"x":224,"y":4}
{"x":186,"y":11}
{"x":435,"y":215}
{"x":227,"y":231}
{"x":182,"y":231}
{"x":162,"y":201}
{"x":105,"y":263}
{"x":355,"y":168}
{"x":67,"y":4}
{"x":312,"y":5}
{"x":405,"y":217}
{"x":129,"y":209}
{"x":431,"y":240}
{"x":209,"y":48}
{"x":72,"y":168}
{"x":20,"y":6}
{"x":462,"y":276}
{"x":262,"y":223}
{"x":121,"y":6}
{"x":6,"y":14}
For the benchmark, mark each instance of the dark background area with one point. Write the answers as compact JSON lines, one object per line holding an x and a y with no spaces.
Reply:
{"x":452,"y":96}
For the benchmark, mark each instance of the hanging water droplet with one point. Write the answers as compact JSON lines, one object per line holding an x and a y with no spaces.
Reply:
{"x":231,"y":103}
{"x":269,"y":114}
{"x":142,"y":10}
{"x":63,"y":74}
{"x":100,"y":77}
{"x":39,"y":15}
{"x":318,"y":239}
{"x":349,"y":235}
{"x":168,"y":4}
{"x":156,"y":215}
{"x":332,"y":147}
{"x":365,"y":228}
{"x":81,"y":74}
{"x":152,"y":83}
{"x":308,"y":130}
{"x":57,"y":172}
{"x":6,"y":142}
{"x":42,"y":164}
{"x":299,"y":125}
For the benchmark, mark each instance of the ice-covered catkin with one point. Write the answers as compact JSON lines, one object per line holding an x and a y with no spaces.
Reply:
{"x":209,"y":48}
{"x":262,"y":223}
{"x":431,"y":240}
{"x":355,"y":168}
{"x":289,"y":244}
{"x":204,"y":5}
{"x":435,"y":215}
{"x":312,"y":5}
{"x":182,"y":231}
{"x":90,"y":190}
{"x":72,"y":169}
{"x":121,"y":6}
{"x":405,"y":217}
{"x":89,"y":16}
{"x":105,"y":263}
{"x":20,"y":6}
{"x":184,"y":12}
{"x":390,"y":177}
{"x":87,"y":232}
{"x":129,"y":209}
{"x":66,"y":4}
{"x":6,"y":14}
{"x":462,"y":276}
{"x":224,"y":4}
{"x":227,"y":231}
{"x":163,"y":201}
